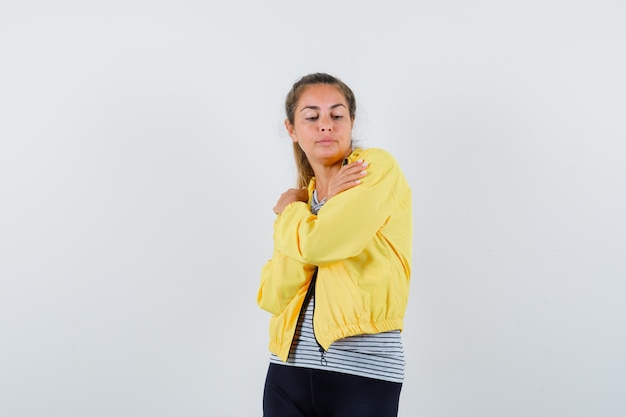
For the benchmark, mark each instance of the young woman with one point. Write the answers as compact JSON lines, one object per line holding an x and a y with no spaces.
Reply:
{"x":338,"y":280}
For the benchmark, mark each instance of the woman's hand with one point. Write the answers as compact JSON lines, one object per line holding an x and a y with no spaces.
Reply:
{"x":290,"y":196}
{"x":348,"y":176}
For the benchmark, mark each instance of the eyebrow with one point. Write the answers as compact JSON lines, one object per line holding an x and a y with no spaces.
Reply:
{"x":317,"y":107}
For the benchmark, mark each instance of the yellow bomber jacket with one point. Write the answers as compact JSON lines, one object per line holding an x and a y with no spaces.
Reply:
{"x":361,"y":243}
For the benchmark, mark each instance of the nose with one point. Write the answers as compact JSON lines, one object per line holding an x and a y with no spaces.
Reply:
{"x":326,"y":124}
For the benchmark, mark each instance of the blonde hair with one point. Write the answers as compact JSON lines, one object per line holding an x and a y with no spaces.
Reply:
{"x":305,"y":171}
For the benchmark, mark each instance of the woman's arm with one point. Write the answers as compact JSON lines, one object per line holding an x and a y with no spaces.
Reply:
{"x":347,"y":222}
{"x":281,"y":280}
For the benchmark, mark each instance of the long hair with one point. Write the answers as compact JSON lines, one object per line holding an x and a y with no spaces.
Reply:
{"x":305,"y":171}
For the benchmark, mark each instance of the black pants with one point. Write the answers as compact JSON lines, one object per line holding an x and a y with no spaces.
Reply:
{"x":303,"y":392}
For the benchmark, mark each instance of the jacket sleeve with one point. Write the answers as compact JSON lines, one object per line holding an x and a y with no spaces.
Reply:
{"x":282,"y":278}
{"x":347,"y":222}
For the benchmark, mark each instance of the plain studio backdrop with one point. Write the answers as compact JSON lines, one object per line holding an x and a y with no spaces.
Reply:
{"x":142,"y":150}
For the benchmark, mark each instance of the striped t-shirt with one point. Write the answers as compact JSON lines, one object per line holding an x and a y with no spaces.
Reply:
{"x":378,"y":356}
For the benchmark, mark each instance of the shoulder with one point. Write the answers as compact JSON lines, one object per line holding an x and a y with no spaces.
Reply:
{"x":377,"y":156}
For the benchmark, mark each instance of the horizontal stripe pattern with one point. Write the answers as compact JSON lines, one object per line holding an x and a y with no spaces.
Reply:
{"x":378,"y":356}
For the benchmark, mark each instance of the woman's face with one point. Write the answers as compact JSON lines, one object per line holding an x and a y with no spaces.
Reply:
{"x":322,"y":125}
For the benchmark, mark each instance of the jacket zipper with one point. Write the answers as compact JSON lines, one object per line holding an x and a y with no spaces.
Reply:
{"x":321,"y":349}
{"x":307,"y":298}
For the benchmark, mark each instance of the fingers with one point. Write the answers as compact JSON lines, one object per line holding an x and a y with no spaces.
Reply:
{"x":360,"y":167}
{"x":348,"y":177}
{"x":353,"y":172}
{"x":290,"y":196}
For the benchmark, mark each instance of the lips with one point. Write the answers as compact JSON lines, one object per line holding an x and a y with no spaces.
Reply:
{"x":325,"y":141}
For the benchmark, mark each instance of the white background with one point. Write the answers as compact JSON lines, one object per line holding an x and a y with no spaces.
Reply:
{"x":142,"y":150}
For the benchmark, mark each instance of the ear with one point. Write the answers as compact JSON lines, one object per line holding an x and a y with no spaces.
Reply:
{"x":291,"y":130}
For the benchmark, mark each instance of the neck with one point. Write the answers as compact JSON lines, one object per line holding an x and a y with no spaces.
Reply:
{"x":324,"y":174}
{"x":323,"y":177}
